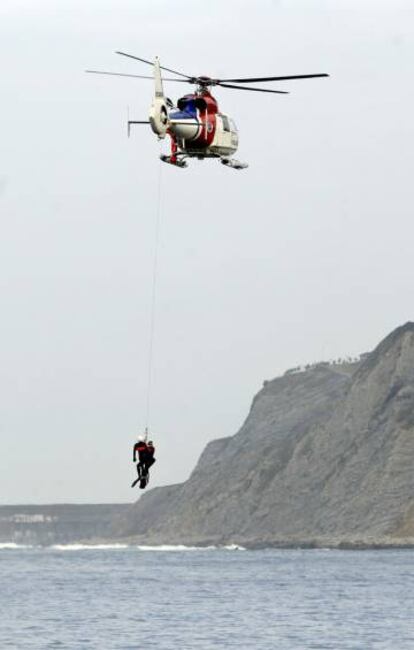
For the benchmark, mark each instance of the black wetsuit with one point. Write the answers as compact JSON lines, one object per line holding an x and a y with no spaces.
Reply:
{"x":145,"y":460}
{"x":149,"y":456}
{"x":140,"y":448}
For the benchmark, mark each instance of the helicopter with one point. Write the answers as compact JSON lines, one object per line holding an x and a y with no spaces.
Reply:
{"x":195,"y":125}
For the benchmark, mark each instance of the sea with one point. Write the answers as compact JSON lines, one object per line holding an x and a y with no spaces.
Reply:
{"x":179,"y":598}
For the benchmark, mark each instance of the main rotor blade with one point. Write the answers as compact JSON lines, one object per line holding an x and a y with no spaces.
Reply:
{"x":118,"y":74}
{"x":137,"y":76}
{"x":259,"y":90}
{"x":254,"y":79}
{"x":137,"y":58}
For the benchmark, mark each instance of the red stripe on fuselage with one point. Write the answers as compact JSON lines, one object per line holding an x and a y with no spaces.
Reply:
{"x":207,"y":109}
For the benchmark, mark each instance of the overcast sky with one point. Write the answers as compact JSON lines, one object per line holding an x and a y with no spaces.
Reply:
{"x":306,"y":255}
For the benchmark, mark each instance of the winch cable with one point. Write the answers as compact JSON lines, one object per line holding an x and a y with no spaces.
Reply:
{"x":153,"y":297}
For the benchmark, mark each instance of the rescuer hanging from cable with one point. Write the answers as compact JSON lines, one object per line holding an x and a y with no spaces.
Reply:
{"x":145,"y":452}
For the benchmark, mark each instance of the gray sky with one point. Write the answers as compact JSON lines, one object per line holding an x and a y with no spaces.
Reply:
{"x":307,"y":255}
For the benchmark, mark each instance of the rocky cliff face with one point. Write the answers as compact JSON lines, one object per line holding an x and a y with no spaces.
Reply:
{"x":325,"y":456}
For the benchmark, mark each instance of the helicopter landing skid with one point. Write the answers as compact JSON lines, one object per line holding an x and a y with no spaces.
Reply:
{"x":173,"y":160}
{"x":235,"y":164}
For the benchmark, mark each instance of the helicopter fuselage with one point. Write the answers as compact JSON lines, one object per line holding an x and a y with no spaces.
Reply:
{"x":200,"y":130}
{"x":196,"y":126}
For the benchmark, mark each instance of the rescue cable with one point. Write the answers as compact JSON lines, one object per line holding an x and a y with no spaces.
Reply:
{"x":153,"y":298}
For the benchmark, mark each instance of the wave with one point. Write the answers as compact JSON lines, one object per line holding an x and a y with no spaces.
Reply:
{"x":87,"y":547}
{"x":182,"y":547}
{"x":169,"y":548}
{"x":12,"y":545}
{"x":174,"y":548}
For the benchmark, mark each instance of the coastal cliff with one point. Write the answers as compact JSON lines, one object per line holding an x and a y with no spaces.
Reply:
{"x":324,"y":458}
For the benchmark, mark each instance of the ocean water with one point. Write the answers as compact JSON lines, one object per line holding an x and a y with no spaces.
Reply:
{"x":173,"y":598}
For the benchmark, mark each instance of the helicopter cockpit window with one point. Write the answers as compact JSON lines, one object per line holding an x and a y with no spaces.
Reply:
{"x":233,"y":126}
{"x":226,"y":123}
